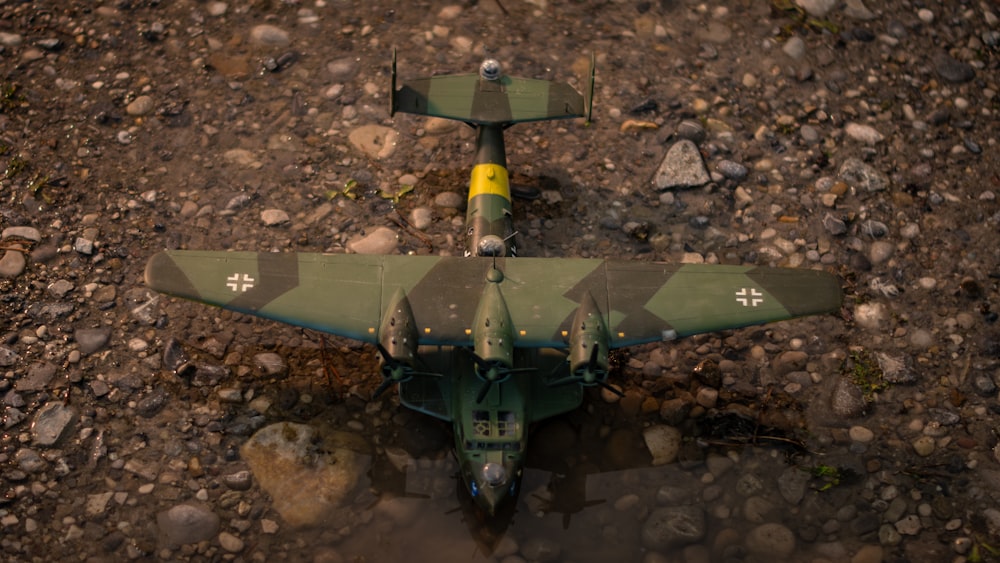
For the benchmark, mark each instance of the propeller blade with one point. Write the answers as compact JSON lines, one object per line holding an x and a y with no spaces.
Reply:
{"x":484,"y":390}
{"x":386,"y":383}
{"x":610,"y":388}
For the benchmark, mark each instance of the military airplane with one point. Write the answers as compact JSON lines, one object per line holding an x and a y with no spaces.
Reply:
{"x":489,"y":342}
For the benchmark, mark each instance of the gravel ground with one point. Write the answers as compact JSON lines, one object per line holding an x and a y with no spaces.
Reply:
{"x":854,"y":136}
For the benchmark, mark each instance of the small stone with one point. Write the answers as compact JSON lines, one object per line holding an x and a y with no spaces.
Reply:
{"x":682,"y":167}
{"x":952,"y":69}
{"x":449,"y":200}
{"x":863,"y":176}
{"x":864,"y":133}
{"x":834,"y":225}
{"x":861,"y":434}
{"x":142,"y":105}
{"x":673,"y":526}
{"x":187,"y":523}
{"x":772,"y":540}
{"x":691,"y":130}
{"x":421,"y":217}
{"x":239,"y":481}
{"x":382,"y":240}
{"x":274,"y":217}
{"x":91,"y":340}
{"x":924,"y":446}
{"x":880,"y":251}
{"x":663,"y":442}
{"x":732,"y":170}
{"x":847,"y":400}
{"x":230,"y":543}
{"x":795,"y":47}
{"x":817,"y":8}
{"x":83,"y":246}
{"x":270,"y":364}
{"x":26,"y":233}
{"x":269,"y":36}
{"x":792,"y":484}
{"x":12,"y":264}
{"x":51,"y":423}
{"x":375,"y":141}
{"x":909,"y":526}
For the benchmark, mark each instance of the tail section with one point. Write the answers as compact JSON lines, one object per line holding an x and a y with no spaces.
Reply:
{"x":490,"y":97}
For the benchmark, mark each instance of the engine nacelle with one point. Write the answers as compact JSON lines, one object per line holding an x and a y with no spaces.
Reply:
{"x":588,"y":343}
{"x":493,"y":330}
{"x":397,"y":334}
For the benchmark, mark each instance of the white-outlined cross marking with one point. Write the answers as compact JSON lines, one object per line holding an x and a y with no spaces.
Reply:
{"x":239,"y":282}
{"x":749,"y":297}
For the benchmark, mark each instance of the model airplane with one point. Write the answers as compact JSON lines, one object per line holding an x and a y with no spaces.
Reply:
{"x":488,"y":342}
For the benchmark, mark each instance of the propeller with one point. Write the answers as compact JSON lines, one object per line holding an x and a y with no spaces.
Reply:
{"x":395,"y":371}
{"x":590,"y":375}
{"x":490,"y":373}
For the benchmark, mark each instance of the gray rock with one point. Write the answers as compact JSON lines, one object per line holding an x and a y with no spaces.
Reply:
{"x":952,"y":69}
{"x":834,"y":225}
{"x":856,"y":9}
{"x":789,"y":361}
{"x":691,"y":130}
{"x":12,"y":264}
{"x":847,"y":400}
{"x":817,"y":8}
{"x":269,"y":36}
{"x":342,"y":69}
{"x":863,"y":176}
{"x":795,"y":47}
{"x":231,"y":543}
{"x":239,"y":481}
{"x":772,"y":540}
{"x":152,"y":403}
{"x":880,"y":251}
{"x":896,"y":369}
{"x":792,"y":484}
{"x":376,"y":141}
{"x":29,"y":461}
{"x":22,"y":232}
{"x":174,"y":355}
{"x":83,"y":246}
{"x":682,"y":167}
{"x":453,"y":200}
{"x":8,"y":357}
{"x":187,"y":523}
{"x":673,"y":526}
{"x":732,"y":170}
{"x":382,"y":240}
{"x":38,"y":378}
{"x":270,"y":364}
{"x":60,"y":288}
{"x":91,"y":340}
{"x":143,"y":305}
{"x":51,"y":423}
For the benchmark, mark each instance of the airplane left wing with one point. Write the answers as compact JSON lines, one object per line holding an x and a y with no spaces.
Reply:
{"x":348,"y":294}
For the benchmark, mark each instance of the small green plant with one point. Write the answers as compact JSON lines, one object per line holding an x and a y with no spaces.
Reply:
{"x":978,"y":547}
{"x":865,"y":372}
{"x":346,"y":191}
{"x":828,"y":473}
{"x":395,"y":197}
{"x":10,"y":97}
{"x":15,"y":166}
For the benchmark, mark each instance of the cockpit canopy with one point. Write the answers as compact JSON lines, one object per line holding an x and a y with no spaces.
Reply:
{"x":490,"y":70}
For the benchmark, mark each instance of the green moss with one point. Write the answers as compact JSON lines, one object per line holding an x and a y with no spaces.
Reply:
{"x":864,"y":371}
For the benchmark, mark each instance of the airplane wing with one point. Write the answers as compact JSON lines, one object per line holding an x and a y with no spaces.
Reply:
{"x":346,"y":294}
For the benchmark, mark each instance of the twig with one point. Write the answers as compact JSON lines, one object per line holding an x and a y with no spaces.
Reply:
{"x":402,"y":223}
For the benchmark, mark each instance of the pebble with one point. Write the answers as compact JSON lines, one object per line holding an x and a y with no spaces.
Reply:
{"x":230,"y":543}
{"x":375,"y":141}
{"x":846,"y":400}
{"x":864,"y":133}
{"x":421,"y":217}
{"x":267,"y":35}
{"x":382,"y":240}
{"x":274,"y":217}
{"x":90,"y":340}
{"x":663,"y":443}
{"x":795,"y":47}
{"x":142,"y":105}
{"x":880,"y":251}
{"x":862,"y":176}
{"x":817,"y":8}
{"x":673,"y":526}
{"x":732,"y":170}
{"x":682,"y":167}
{"x":861,"y":434}
{"x":12,"y":264}
{"x":187,"y":523}
{"x":953,"y":70}
{"x":51,"y":423}
{"x":28,"y":233}
{"x":772,"y":540}
{"x":270,"y":364}
{"x":924,"y":446}
{"x":449,"y":200}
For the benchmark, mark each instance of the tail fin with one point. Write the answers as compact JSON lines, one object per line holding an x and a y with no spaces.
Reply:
{"x":490,"y":97}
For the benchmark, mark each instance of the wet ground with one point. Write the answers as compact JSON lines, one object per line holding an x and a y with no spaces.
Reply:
{"x":856,"y":137}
